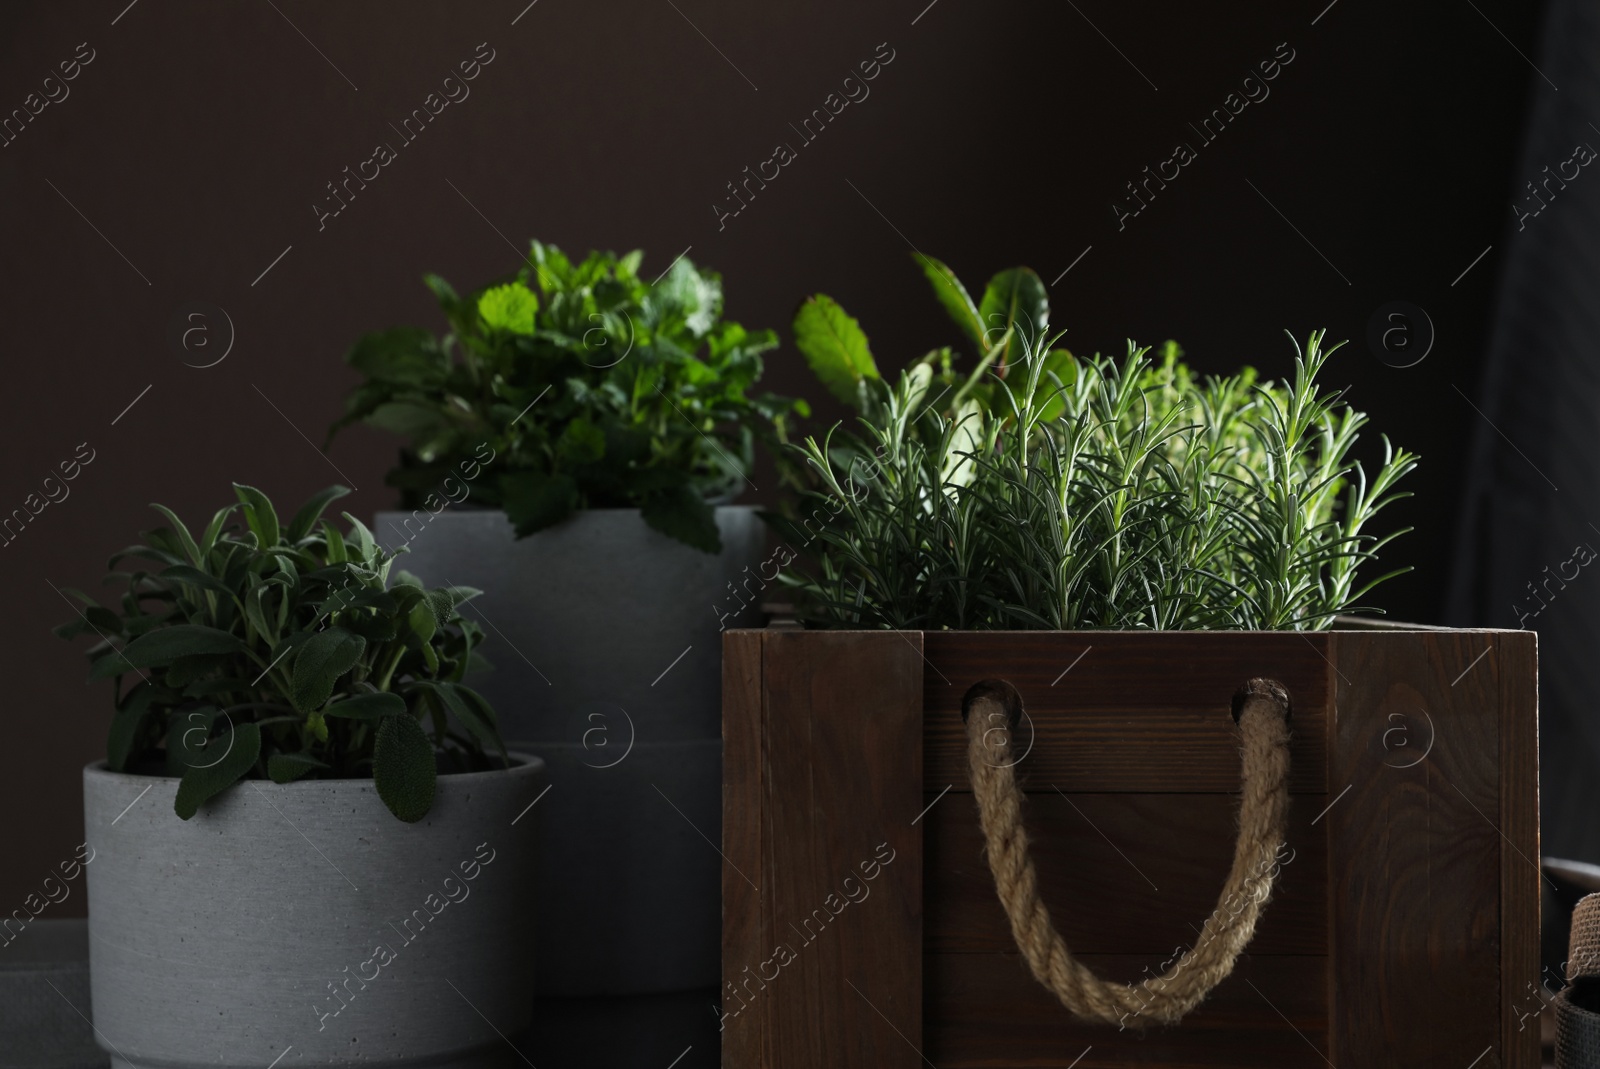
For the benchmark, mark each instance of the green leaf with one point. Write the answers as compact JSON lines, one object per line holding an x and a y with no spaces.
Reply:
{"x":312,"y":511}
{"x":470,"y":710}
{"x":407,"y":418}
{"x":423,"y":620}
{"x":259,"y":514}
{"x":163,"y":646}
{"x":201,"y":782}
{"x":405,"y":355}
{"x":214,"y":531}
{"x":1051,"y":400}
{"x":581,"y":442}
{"x":323,"y":658}
{"x":480,"y":707}
{"x":125,"y":726}
{"x":184,"y":573}
{"x":337,"y":554}
{"x":509,"y":308}
{"x":288,"y":767}
{"x":403,"y":768}
{"x":953,"y":295}
{"x":184,"y":537}
{"x":535,"y":500}
{"x":1014,"y":298}
{"x":368,"y":706}
{"x":364,"y":539}
{"x":835,"y":346}
{"x":679,"y":512}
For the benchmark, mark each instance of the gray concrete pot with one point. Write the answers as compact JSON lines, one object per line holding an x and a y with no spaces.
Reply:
{"x":303,"y":921}
{"x":605,"y":637}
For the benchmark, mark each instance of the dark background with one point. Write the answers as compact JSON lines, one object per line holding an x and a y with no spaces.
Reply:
{"x":201,"y":134}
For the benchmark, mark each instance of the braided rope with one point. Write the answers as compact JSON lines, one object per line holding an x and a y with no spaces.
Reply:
{"x":1261,"y":708}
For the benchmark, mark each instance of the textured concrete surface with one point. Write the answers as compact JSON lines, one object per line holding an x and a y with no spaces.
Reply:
{"x":304,"y":917}
{"x":606,"y":641}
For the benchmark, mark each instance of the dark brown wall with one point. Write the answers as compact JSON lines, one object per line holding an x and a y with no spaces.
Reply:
{"x":201,"y":134}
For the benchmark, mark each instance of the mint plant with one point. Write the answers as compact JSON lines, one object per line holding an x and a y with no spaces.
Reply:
{"x":279,"y":652}
{"x":1045,"y":490}
{"x":591,"y":387}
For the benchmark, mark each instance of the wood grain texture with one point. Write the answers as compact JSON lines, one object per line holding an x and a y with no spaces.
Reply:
{"x":1401,"y":932}
{"x":745,"y":937}
{"x":841,"y":872}
{"x":1121,"y":874}
{"x":1414,"y":877}
{"x":1140,"y":712}
{"x":986,"y":1010}
{"x":1520,"y":895}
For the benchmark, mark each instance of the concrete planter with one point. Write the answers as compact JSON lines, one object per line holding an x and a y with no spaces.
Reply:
{"x":605,"y":639}
{"x":305,"y":916}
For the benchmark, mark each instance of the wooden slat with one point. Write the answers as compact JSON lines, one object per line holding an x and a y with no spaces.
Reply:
{"x":1121,"y":874}
{"x":745,"y":937}
{"x":1414,"y":875}
{"x":1141,"y":712}
{"x":1520,"y":896}
{"x":842,"y":784}
{"x":986,"y":1010}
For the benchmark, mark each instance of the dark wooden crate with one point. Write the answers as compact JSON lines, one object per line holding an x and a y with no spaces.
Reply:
{"x":1404,"y":931}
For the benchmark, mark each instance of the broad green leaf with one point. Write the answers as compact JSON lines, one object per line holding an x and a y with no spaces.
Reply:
{"x":480,"y":707}
{"x":535,"y":500}
{"x":288,"y":767}
{"x":125,"y":726}
{"x":163,"y":646}
{"x":404,"y":355}
{"x":1014,"y":300}
{"x":368,"y":706}
{"x":403,"y":768}
{"x":953,"y":295}
{"x":423,"y":620}
{"x":407,"y":418}
{"x":241,"y":747}
{"x":255,"y":614}
{"x":405,"y":578}
{"x":259,"y":514}
{"x":312,"y":510}
{"x":470,"y":709}
{"x":581,"y":442}
{"x":364,"y":539}
{"x":681,"y":513}
{"x":186,"y":670}
{"x":835,"y":346}
{"x":509,"y":308}
{"x":184,"y":573}
{"x":336,"y":550}
{"x":323,"y":658}
{"x":185,"y":539}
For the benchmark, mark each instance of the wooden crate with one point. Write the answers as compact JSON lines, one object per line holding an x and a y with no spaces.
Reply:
{"x":1404,"y":932}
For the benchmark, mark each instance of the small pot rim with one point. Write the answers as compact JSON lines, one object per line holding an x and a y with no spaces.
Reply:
{"x":527,"y":765}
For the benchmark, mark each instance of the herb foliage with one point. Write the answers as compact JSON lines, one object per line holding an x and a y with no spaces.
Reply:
{"x":281,"y":651}
{"x":593,"y":387}
{"x":1046,"y":490}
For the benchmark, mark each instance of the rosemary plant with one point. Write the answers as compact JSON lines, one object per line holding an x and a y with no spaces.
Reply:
{"x":1093,"y":493}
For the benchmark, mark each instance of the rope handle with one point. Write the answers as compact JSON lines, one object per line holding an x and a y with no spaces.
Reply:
{"x":992,"y":710}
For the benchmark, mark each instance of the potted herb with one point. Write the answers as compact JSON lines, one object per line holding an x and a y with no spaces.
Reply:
{"x":297,"y":786}
{"x":1077,"y":639}
{"x":1037,"y":585}
{"x":572,"y":441}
